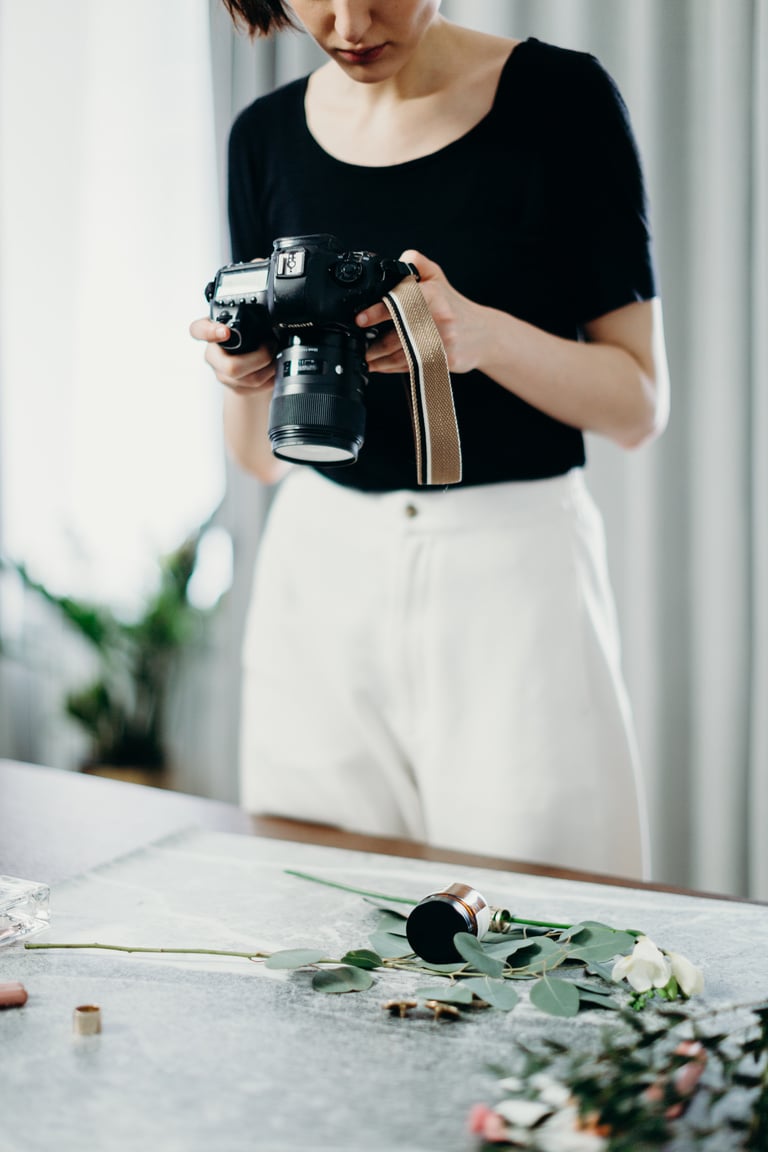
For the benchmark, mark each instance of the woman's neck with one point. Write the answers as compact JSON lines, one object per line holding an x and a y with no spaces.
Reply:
{"x":447,"y":86}
{"x":445,"y":57}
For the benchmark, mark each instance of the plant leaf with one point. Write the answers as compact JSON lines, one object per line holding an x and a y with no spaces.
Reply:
{"x":344,"y":979}
{"x":391,"y":922}
{"x":586,"y":926}
{"x":508,"y":946}
{"x":498,"y":993}
{"x":504,"y":947}
{"x":294,"y":958}
{"x":604,"y":971}
{"x":446,"y":993}
{"x":362,"y":958}
{"x":588,"y":996}
{"x":389,"y":946}
{"x":573,"y":930}
{"x":471,"y":950}
{"x":556,"y":997}
{"x":597,"y":925}
{"x":539,"y":955}
{"x":596,"y":944}
{"x":596,"y":990}
{"x":448,"y":969}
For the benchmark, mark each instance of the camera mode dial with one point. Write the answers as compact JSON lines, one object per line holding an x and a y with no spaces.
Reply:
{"x":348,"y":270}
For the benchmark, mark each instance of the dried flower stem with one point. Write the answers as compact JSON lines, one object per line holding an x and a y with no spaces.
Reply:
{"x":176,"y":951}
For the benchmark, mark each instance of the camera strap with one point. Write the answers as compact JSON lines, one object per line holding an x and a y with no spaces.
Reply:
{"x":435,"y":431}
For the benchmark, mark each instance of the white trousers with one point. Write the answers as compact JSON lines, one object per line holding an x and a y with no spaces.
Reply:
{"x":443,"y":665}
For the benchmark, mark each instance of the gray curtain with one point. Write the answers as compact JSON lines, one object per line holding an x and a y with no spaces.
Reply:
{"x":687,"y":518}
{"x":206,"y":703}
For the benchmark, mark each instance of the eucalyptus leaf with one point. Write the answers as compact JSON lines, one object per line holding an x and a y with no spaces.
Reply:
{"x":604,"y":971}
{"x":588,"y":996}
{"x":343,"y":979}
{"x":504,"y":948}
{"x":598,"y":925}
{"x":585,"y":926}
{"x":569,"y":933}
{"x":598,"y":944}
{"x":589,"y":986}
{"x":389,"y":946}
{"x":448,"y":969}
{"x":556,"y":997}
{"x":498,"y":993}
{"x":470,"y":948}
{"x":362,"y":958}
{"x":295,"y":958}
{"x":446,"y":993}
{"x":538,"y":956}
{"x":391,"y":922}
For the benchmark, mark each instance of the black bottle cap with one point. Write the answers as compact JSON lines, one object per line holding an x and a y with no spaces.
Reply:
{"x":432,"y":925}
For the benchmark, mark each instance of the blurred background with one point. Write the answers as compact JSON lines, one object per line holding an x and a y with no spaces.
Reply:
{"x":128,"y":541}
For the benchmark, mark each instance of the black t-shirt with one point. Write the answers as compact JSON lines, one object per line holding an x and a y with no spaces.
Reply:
{"x":539,"y":210}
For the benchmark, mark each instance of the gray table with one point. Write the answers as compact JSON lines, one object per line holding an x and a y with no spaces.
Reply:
{"x":202,"y":1053}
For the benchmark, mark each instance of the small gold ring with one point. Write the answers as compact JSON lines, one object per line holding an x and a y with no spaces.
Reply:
{"x":86,"y":1019}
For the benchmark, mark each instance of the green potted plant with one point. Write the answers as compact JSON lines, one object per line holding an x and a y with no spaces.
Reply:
{"x":122,"y":709}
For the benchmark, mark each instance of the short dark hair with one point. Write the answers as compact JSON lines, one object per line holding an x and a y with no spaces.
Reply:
{"x":260,"y":16}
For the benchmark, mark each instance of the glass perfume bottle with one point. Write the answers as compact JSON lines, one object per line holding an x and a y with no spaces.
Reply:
{"x":24,"y":908}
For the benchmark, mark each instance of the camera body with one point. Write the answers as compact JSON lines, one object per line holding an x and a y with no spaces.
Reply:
{"x":306,"y":296}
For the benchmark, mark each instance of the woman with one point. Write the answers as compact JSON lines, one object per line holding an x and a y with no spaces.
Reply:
{"x":444,"y":664}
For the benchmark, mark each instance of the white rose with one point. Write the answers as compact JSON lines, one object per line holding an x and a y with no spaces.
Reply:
{"x":646,"y":966}
{"x":561,"y":1134}
{"x":522,"y":1113}
{"x":550,"y":1091}
{"x":688,"y":976}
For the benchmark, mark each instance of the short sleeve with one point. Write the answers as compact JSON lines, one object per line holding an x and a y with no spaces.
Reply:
{"x":611,"y":254}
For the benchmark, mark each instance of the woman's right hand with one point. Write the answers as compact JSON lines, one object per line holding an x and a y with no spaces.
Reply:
{"x":245,"y":375}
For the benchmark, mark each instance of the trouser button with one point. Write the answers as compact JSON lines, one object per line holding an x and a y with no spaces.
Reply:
{"x":411,"y":510}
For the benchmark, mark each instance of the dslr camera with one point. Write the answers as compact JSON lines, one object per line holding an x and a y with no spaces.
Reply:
{"x":306,"y":296}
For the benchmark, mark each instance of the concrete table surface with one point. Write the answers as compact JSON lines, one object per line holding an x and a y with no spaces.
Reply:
{"x":211,"y":1053}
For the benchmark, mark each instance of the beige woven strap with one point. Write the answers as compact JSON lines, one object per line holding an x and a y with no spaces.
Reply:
{"x":435,"y":431}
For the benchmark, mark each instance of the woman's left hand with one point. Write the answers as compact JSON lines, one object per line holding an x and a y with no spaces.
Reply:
{"x":458,"y":320}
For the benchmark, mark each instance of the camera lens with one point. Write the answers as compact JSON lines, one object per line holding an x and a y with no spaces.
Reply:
{"x":317,"y":413}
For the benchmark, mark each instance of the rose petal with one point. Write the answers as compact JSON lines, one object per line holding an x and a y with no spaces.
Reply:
{"x":688,"y":976}
{"x":524,"y":1113}
{"x":645,"y":968}
{"x":477,"y":1117}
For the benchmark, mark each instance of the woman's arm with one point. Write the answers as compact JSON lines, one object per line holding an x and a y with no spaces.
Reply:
{"x":615,"y":383}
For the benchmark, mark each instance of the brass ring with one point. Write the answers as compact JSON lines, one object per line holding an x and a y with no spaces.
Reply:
{"x":86,"y":1020}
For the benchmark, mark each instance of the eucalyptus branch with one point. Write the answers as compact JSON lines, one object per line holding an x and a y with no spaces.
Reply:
{"x":487,"y":965}
{"x":175,"y":951}
{"x":635,"y":1091}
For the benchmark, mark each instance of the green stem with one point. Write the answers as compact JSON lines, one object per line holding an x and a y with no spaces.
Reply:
{"x":403,"y":965}
{"x":407,"y":900}
{"x":178,"y":951}
{"x":349,"y":888}
{"x":538,"y":923}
